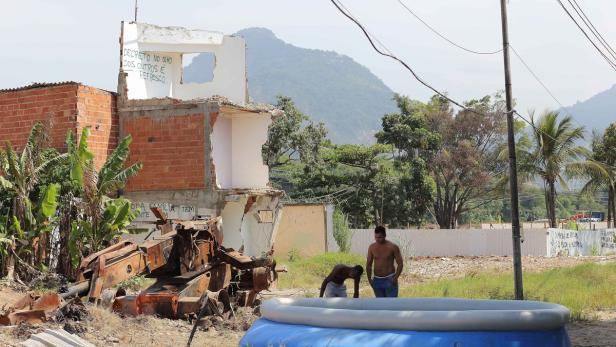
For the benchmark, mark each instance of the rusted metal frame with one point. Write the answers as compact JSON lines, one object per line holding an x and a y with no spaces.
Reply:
{"x":109,"y":274}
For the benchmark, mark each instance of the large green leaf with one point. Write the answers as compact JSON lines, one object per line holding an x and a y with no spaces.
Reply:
{"x":49,"y":201}
{"x":4,"y":183}
{"x":18,"y":230}
{"x":80,"y":157}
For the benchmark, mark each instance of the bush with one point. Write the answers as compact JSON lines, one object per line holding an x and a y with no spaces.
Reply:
{"x":342,"y":232}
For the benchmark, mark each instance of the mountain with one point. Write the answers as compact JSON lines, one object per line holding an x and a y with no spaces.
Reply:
{"x":325,"y":85}
{"x":596,"y":113}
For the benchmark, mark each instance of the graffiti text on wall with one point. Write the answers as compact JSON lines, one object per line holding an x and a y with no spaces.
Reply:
{"x":151,"y":67}
{"x":171,"y":210}
{"x":588,"y":242}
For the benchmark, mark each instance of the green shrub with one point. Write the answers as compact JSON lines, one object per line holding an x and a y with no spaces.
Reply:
{"x":342,"y":232}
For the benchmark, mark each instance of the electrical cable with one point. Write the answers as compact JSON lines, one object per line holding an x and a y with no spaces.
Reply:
{"x":370,"y":39}
{"x":537,"y":78}
{"x":593,"y":29}
{"x":548,"y":135}
{"x":443,"y":36}
{"x":611,"y":63}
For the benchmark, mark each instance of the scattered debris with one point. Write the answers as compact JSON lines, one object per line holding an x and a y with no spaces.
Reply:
{"x":74,"y":310}
{"x":76,"y":328}
{"x":24,"y":330}
{"x":31,"y":308}
{"x":55,"y":338}
{"x":47,"y":280}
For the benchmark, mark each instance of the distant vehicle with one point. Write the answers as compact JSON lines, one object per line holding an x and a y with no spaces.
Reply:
{"x":597,"y":216}
{"x":586,"y":217}
{"x":591,"y":219}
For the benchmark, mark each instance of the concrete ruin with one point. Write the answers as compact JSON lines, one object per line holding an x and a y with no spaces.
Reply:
{"x":200,"y":143}
{"x":203,"y":180}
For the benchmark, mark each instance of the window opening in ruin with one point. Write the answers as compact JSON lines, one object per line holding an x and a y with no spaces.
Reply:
{"x":198,"y":67}
{"x":265,"y":216}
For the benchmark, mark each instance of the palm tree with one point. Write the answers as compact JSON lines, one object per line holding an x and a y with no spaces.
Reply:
{"x":554,"y":150}
{"x":601,"y":177}
{"x":600,"y":171}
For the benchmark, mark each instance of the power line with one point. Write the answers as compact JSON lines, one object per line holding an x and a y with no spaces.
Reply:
{"x":371,"y":34}
{"x":538,"y":130}
{"x":368,"y":36}
{"x":593,"y":29}
{"x":611,"y":63}
{"x":443,"y":36}
{"x":538,"y":79}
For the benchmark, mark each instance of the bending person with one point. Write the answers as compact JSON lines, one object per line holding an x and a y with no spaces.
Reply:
{"x":333,"y":285}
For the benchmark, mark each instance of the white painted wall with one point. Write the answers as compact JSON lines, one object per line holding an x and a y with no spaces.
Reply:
{"x":232,"y":222}
{"x":467,"y":242}
{"x":221,"y":151}
{"x":152,"y":58}
{"x":241,"y":229}
{"x":259,"y":237}
{"x":249,"y":133}
{"x":583,"y":242}
{"x":236,"y":150}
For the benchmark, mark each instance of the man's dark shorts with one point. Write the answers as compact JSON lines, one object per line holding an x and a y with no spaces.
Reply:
{"x":384,"y":287}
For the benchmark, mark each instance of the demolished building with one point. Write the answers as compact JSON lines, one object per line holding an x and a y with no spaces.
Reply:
{"x":200,"y":146}
{"x":200,"y":143}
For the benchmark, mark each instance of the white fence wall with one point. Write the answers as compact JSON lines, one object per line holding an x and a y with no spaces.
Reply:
{"x":586,"y":242}
{"x":440,"y":242}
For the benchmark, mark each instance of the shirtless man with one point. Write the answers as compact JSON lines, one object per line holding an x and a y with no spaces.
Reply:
{"x":333,"y":285}
{"x":382,"y":253}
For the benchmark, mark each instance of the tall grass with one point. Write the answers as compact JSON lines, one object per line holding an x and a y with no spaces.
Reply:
{"x":583,"y":289}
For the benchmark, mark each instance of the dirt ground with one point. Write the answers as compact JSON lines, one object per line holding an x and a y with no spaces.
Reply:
{"x":104,"y":328}
{"x":424,"y":269}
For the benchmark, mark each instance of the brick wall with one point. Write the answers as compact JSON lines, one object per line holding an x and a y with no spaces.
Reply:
{"x":55,"y":106}
{"x":97,"y":110}
{"x":62,"y":107}
{"x":171,"y":149}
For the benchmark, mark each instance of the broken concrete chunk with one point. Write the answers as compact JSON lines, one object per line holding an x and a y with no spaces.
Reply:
{"x":56,"y":338}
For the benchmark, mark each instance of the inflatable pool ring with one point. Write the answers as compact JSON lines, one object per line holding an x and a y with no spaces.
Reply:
{"x":419,"y":322}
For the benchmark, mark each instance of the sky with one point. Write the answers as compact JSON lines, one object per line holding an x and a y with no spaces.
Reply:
{"x":55,"y":40}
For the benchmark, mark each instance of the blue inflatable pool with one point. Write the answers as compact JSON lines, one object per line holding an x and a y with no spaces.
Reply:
{"x":408,"y":322}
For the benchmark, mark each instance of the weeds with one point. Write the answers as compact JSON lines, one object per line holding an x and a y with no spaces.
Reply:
{"x":136,"y":284}
{"x":310,"y":272}
{"x":583,"y":289}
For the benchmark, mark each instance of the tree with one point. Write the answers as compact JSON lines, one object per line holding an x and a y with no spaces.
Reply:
{"x":292,"y":136}
{"x":460,"y":150}
{"x":600,"y":170}
{"x":102,"y":218}
{"x":29,"y":216}
{"x":554,"y":150}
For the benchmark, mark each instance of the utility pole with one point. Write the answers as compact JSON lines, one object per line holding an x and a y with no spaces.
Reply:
{"x":136,"y":11}
{"x":513,"y":170}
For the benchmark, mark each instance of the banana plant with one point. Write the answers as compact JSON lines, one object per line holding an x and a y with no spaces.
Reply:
{"x":103,"y":219}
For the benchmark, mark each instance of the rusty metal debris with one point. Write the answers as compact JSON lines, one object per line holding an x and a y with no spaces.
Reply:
{"x":192,"y":269}
{"x":31,"y":309}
